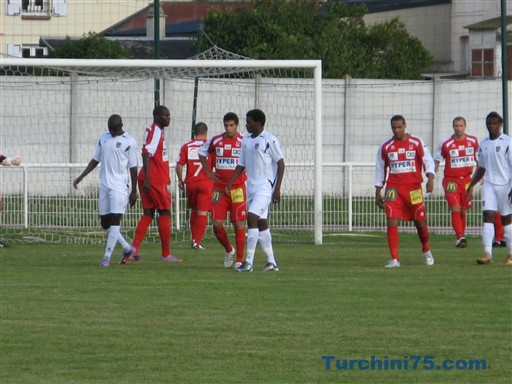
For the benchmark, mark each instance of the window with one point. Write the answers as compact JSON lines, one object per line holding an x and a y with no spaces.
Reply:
{"x":37,"y":7}
{"x":34,"y":52}
{"x":482,"y":62}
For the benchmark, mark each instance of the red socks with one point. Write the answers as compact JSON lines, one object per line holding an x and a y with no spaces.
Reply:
{"x":393,"y":241}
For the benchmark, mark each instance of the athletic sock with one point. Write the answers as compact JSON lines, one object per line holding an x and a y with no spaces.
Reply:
{"x":240,"y":244}
{"x":252,"y":241}
{"x":393,"y":241}
{"x":508,"y":238}
{"x":423,"y":235}
{"x":457,"y":224}
{"x":164,"y":230}
{"x":222,"y":236}
{"x":201,"y":222}
{"x":499,"y":229}
{"x":141,"y":230}
{"x":487,"y":237}
{"x":113,"y":233}
{"x":193,"y":226}
{"x":265,"y":240}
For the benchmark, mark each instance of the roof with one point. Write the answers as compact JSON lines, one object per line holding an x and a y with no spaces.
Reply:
{"x":493,"y":23}
{"x":176,"y":12}
{"x":170,"y":48}
{"x":375,"y":6}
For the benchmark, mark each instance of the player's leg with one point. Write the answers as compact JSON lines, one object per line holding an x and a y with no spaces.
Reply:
{"x":416,"y":212}
{"x":146,"y":218}
{"x":203,"y":205}
{"x":490,"y":207}
{"x":104,"y":212}
{"x":239,"y":216}
{"x":505,"y":209}
{"x":453,"y":199}
{"x":393,"y":207}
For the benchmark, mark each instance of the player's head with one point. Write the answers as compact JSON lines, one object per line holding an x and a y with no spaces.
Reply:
{"x":115,"y":125}
{"x":255,"y":121}
{"x":494,"y":123}
{"x":459,"y":126}
{"x":230,"y":121}
{"x":162,"y":116}
{"x":398,"y":126}
{"x":257,"y":115}
{"x":200,"y":129}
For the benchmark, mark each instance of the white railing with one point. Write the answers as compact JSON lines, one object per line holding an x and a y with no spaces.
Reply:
{"x":41,"y":196}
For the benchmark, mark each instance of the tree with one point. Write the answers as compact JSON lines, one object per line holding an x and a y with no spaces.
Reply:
{"x":309,"y":29}
{"x":90,"y":46}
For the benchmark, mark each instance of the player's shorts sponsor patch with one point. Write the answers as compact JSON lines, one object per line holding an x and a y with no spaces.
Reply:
{"x":451,"y":186}
{"x":216,"y":195}
{"x":237,"y":195}
{"x":390,"y":194}
{"x":416,"y":196}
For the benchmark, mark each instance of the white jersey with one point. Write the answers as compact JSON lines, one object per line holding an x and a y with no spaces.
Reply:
{"x":116,"y":155}
{"x":496,"y":157}
{"x":259,"y":157}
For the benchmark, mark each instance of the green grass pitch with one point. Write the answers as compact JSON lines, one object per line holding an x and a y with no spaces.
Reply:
{"x":66,"y":320}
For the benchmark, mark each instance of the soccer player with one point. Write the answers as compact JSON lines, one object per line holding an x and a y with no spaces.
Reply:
{"x":495,"y":162}
{"x":198,"y":184}
{"x":404,"y":157}
{"x":153,"y":181}
{"x":117,"y":152}
{"x":263,"y":161}
{"x":223,"y":152}
{"x":459,"y":152}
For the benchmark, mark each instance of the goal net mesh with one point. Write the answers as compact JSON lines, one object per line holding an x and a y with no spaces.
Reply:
{"x":53,"y":115}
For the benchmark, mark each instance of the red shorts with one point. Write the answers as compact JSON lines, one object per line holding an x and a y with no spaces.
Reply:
{"x":236,"y":204}
{"x":404,"y":201}
{"x":455,"y":192}
{"x":199,"y":195}
{"x":158,"y":196}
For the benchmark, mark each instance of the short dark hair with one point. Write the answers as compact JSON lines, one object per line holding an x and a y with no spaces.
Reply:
{"x":159,"y":110}
{"x":494,"y":115}
{"x":257,"y":115}
{"x":459,"y":118}
{"x":397,"y":118}
{"x":115,"y":121}
{"x":231,"y":116}
{"x":200,"y":129}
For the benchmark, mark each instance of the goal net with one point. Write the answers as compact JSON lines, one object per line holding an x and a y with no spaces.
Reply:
{"x":54,"y":110}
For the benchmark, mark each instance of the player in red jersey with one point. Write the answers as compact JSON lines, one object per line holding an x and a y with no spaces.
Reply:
{"x":404,"y":157}
{"x":198,"y":184}
{"x":459,"y":153}
{"x":153,"y":181}
{"x":225,"y":149}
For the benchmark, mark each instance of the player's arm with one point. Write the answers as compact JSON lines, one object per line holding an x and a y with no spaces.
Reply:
{"x":429,"y":167}
{"x":380,"y":176}
{"x":179,"y":175}
{"x":477,"y":176}
{"x":276,"y":196}
{"x":133,"y":192}
{"x":147,"y":177}
{"x":92,"y":164}
{"x":236,"y":174}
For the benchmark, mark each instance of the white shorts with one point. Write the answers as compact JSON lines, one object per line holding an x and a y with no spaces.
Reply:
{"x":495,"y":198}
{"x":112,"y":201}
{"x":258,"y":204}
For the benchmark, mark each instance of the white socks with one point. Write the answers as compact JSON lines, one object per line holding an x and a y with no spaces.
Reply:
{"x":265,"y":240}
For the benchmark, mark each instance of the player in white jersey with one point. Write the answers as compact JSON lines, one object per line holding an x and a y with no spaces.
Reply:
{"x":263,"y":161}
{"x":117,"y":152}
{"x":495,"y":162}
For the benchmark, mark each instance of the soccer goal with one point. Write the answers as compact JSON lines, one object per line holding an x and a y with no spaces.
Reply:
{"x":53,"y":111}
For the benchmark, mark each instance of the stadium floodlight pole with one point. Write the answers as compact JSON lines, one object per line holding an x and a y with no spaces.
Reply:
{"x":504,"y":64}
{"x":156,"y":45}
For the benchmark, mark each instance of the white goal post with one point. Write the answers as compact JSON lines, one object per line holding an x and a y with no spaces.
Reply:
{"x":53,"y":111}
